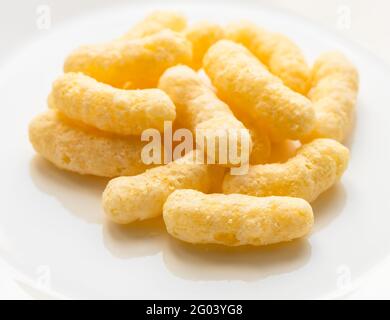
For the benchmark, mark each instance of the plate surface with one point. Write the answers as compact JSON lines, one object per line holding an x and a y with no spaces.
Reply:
{"x":53,"y":234}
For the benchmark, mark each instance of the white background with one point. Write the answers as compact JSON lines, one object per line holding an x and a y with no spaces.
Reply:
{"x":369,"y":26}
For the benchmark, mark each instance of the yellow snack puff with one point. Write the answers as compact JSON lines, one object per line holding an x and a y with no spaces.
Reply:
{"x":261,"y":145}
{"x":127,"y":199}
{"x":284,"y":150}
{"x":131,"y":64}
{"x":202,"y":35}
{"x":248,"y":87}
{"x":283,"y":57}
{"x":316,"y":167}
{"x":85,"y":150}
{"x":334,"y":92}
{"x":235,"y":219}
{"x":156,"y":22}
{"x":124,"y":112}
{"x":198,"y":108}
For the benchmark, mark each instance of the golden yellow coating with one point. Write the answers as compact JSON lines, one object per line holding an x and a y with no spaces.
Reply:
{"x":124,"y":112}
{"x":261,"y":144}
{"x":315,"y":168}
{"x":155,"y":22}
{"x":131,"y":64}
{"x":282,"y":56}
{"x":334,"y":92}
{"x":127,"y":199}
{"x":248,"y":87}
{"x":195,"y":102}
{"x":236,"y":219}
{"x":202,"y":35}
{"x":83,"y":149}
{"x":198,"y":108}
{"x":284,"y":150}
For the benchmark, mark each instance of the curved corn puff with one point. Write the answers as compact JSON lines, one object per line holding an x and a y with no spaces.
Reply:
{"x":315,"y":168}
{"x":127,"y":199}
{"x":335,"y":86}
{"x":236,"y":219}
{"x":125,"y":112}
{"x":83,"y":149}
{"x":261,"y":144}
{"x":247,"y":86}
{"x":131,"y":64}
{"x":202,"y":35}
{"x":284,"y":150}
{"x":156,"y":22}
{"x":197,"y":105}
{"x":283,"y":57}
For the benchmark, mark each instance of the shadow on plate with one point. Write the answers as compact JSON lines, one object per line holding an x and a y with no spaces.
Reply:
{"x":203,"y":262}
{"x":216,"y":263}
{"x":79,"y":194}
{"x":328,"y":206}
{"x":143,"y":238}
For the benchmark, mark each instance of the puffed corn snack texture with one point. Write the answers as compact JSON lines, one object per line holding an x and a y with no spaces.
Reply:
{"x":85,"y":150}
{"x":141,"y":197}
{"x":131,"y":64}
{"x":236,"y":219}
{"x":247,"y":86}
{"x":124,"y":112}
{"x":212,"y":77}
{"x":316,"y":167}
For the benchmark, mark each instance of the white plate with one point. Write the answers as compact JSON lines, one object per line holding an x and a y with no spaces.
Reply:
{"x":53,"y":235}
